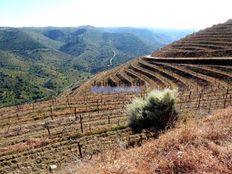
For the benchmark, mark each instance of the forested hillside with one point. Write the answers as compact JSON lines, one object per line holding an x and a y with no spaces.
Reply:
{"x":38,"y":63}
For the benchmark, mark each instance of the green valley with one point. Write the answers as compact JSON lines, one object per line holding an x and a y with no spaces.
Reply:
{"x":39,"y":63}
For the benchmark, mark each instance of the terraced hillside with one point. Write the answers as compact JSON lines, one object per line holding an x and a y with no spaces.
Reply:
{"x":215,"y":41}
{"x":158,"y":73}
{"x":80,"y":124}
{"x":34,"y":136}
{"x":200,"y":60}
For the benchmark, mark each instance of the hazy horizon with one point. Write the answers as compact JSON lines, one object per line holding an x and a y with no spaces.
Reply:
{"x":107,"y":27}
{"x":160,"y":14}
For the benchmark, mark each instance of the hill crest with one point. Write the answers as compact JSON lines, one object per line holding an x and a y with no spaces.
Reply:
{"x":214,"y":41}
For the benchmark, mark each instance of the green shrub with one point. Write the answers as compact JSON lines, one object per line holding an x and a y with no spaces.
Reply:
{"x":156,"y":111}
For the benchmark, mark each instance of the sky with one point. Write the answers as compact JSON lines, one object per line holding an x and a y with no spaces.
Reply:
{"x":176,"y":14}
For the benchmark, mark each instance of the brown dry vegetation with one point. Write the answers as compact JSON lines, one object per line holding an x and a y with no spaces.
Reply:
{"x":27,"y":147}
{"x":202,"y":145}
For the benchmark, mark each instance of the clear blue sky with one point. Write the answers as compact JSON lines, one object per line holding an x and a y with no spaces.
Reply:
{"x":186,"y":14}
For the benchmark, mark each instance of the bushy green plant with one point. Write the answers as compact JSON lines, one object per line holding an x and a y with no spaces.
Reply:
{"x":156,"y":111}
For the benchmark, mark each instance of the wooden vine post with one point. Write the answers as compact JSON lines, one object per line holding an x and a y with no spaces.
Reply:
{"x":51,"y":112}
{"x":101,"y":99}
{"x":108,"y":119}
{"x":75,"y":112}
{"x":17,"y":109}
{"x":230,"y":99}
{"x":18,"y":130}
{"x":97,"y":106}
{"x":33,"y":107}
{"x":17,"y":112}
{"x":47,"y":126}
{"x":189,"y":97}
{"x":209,"y":107}
{"x":81,"y":125}
{"x":68,"y":102}
{"x":199,"y":101}
{"x":123,"y":104}
{"x":79,"y":148}
{"x":227,"y":92}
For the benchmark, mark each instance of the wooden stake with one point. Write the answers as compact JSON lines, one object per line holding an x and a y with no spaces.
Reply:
{"x":209,"y":107}
{"x":199,"y":102}
{"x":97,"y":105}
{"x":51,"y":111}
{"x":190,"y":93}
{"x":33,"y":107}
{"x":46,"y":125}
{"x":108,"y":119}
{"x":90,"y":129}
{"x":79,"y":148}
{"x":75,"y":112}
{"x":81,"y":123}
{"x":227,"y":91}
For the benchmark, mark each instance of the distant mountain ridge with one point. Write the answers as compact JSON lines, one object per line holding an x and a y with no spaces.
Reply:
{"x":159,"y":37}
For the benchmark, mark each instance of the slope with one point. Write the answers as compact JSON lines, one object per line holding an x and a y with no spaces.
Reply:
{"x":214,"y":41}
{"x":196,"y":146}
{"x":183,"y":69}
{"x":31,"y":67}
{"x":35,"y":75}
{"x":16,"y":39}
{"x":95,"y":48}
{"x":44,"y":61}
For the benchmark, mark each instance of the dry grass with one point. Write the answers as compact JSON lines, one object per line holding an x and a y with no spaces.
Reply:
{"x":28,"y":144}
{"x":194,"y":146}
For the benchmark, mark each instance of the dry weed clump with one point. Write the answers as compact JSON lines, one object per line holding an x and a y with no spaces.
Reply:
{"x":194,"y":146}
{"x":157,"y":111}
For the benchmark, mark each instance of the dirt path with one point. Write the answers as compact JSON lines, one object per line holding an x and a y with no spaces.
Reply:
{"x":111,"y":59}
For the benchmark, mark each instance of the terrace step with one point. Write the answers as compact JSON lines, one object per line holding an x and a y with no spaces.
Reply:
{"x":164,"y":75}
{"x":148,"y":75}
